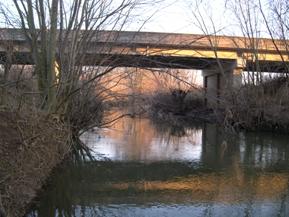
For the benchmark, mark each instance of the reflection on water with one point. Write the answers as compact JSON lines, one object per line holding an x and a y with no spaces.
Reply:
{"x":163,"y":170}
{"x":136,"y":140}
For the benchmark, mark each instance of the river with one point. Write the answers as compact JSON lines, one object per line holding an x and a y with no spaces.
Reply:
{"x":145,"y":168}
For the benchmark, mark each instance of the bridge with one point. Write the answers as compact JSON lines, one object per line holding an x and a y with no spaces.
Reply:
{"x":222,"y":58}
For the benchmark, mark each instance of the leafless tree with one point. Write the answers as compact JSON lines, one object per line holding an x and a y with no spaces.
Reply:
{"x":62,"y":35}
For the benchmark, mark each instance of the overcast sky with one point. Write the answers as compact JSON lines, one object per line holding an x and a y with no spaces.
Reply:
{"x":178,"y":16}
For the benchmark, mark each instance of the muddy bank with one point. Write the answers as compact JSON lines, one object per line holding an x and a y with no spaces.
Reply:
{"x":31,"y":145}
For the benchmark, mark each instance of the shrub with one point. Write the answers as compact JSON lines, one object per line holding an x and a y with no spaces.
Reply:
{"x":264,"y":106}
{"x":177,"y":101}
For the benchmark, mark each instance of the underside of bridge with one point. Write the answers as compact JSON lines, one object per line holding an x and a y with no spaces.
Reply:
{"x":218,"y":74}
{"x":157,"y":61}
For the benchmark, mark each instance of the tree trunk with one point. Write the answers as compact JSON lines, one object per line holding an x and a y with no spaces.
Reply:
{"x":51,"y":73}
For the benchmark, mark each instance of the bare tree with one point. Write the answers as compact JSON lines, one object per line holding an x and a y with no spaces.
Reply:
{"x":277,"y":26}
{"x":60,"y":33}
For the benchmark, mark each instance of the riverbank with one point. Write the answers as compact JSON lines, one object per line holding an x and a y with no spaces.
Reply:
{"x":258,"y":107}
{"x":32,"y":144}
{"x":263,"y":107}
{"x":179,"y":106}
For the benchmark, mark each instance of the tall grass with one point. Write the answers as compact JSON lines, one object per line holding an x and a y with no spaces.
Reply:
{"x":259,"y":107}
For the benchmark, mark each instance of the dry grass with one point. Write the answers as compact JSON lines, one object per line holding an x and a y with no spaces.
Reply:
{"x":31,"y":145}
{"x":262,"y":107}
{"x":32,"y":142}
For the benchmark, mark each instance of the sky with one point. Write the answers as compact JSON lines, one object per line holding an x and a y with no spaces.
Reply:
{"x":172,"y":15}
{"x":177,"y":16}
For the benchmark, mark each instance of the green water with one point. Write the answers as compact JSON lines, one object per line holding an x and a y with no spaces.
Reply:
{"x":153,"y":169}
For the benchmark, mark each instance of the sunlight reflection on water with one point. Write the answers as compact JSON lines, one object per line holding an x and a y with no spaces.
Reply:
{"x":150,"y":169}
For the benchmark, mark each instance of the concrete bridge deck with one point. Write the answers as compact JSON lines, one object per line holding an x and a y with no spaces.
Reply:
{"x":215,"y":55}
{"x":165,"y":49}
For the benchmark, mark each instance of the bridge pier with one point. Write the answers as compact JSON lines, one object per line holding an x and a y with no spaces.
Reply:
{"x":217,"y":81}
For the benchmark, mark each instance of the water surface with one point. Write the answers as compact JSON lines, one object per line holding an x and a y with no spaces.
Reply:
{"x":145,"y":168}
